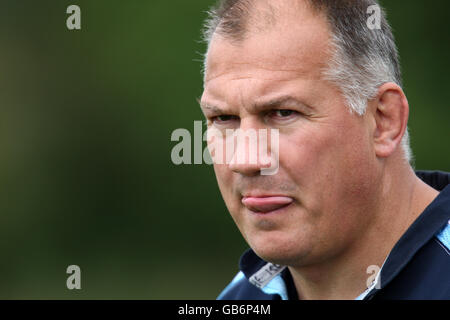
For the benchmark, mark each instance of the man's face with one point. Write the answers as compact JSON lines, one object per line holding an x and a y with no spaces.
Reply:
{"x":326,"y":159}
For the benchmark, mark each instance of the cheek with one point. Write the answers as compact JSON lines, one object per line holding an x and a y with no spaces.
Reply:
{"x":329,"y":163}
{"x":333,"y":176}
{"x":306,"y":156}
{"x":224,"y":178}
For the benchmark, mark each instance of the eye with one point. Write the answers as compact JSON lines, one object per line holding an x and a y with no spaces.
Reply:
{"x":224,"y":118}
{"x":283,"y":113}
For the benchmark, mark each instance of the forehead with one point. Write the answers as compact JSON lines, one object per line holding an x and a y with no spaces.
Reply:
{"x":297,"y":43}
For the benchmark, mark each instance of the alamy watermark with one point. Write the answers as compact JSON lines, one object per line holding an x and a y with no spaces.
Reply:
{"x":74,"y":280}
{"x":73,"y":21}
{"x":230,"y":147}
{"x":374,"y":280}
{"x":374,"y":20}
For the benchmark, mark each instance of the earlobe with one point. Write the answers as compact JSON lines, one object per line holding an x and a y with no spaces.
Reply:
{"x":391,"y":118}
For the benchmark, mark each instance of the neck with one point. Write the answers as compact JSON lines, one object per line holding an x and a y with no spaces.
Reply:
{"x":403,"y":198}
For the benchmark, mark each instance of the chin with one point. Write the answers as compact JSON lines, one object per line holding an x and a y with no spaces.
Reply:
{"x":281,"y":251}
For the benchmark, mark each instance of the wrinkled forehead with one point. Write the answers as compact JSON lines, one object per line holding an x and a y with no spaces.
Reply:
{"x":299,"y":41}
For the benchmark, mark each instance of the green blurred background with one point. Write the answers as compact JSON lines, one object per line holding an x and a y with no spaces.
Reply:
{"x":86,"y":118}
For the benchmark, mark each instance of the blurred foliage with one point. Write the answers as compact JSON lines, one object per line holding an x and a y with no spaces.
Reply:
{"x":85,"y":123}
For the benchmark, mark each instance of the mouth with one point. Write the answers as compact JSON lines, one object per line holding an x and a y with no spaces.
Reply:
{"x":267,"y":204}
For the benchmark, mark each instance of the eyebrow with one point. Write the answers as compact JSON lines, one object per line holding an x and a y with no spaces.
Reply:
{"x":287,"y":101}
{"x":211,"y":108}
{"x":282,"y":101}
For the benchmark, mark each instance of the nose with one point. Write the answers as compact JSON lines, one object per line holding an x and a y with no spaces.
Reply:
{"x":245,"y":159}
{"x":252,"y":152}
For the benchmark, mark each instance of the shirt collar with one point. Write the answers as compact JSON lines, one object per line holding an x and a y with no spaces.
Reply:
{"x":424,"y":228}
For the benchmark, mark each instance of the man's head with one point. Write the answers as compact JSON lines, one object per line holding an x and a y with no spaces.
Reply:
{"x":299,"y":67}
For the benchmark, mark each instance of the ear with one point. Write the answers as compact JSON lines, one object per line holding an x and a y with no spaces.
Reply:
{"x":390,"y":111}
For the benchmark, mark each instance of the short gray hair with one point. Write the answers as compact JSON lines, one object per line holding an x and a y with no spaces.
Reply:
{"x":363,"y":58}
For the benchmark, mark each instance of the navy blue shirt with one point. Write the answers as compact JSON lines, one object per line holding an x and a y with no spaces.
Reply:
{"x":418,"y":266}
